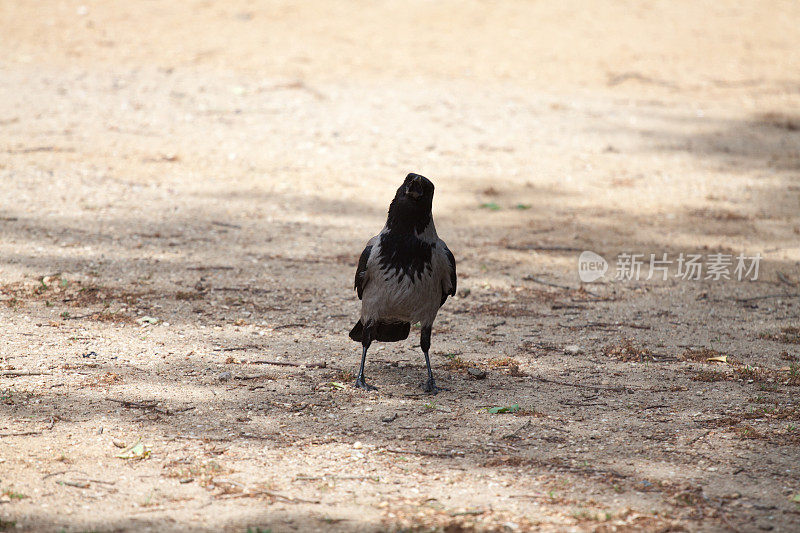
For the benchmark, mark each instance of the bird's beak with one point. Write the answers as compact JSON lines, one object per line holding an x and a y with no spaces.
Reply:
{"x":414,"y":189}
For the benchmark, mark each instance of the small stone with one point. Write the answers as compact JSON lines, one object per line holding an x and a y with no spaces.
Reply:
{"x":118,"y":443}
{"x":476,"y":373}
{"x":388,"y":419}
{"x":573,"y":349}
{"x":357,"y":445}
{"x":225,"y":376}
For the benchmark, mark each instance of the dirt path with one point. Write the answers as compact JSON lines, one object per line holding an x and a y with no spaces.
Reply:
{"x":186,"y":188}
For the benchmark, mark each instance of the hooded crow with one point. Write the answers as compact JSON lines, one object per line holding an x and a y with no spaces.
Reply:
{"x":404,"y":275}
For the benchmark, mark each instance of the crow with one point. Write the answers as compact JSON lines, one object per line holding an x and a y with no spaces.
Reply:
{"x":404,"y":275}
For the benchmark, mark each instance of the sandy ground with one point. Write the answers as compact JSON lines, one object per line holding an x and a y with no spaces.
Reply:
{"x":186,"y":188}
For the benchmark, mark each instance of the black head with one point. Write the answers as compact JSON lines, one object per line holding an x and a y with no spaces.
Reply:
{"x":411,"y":207}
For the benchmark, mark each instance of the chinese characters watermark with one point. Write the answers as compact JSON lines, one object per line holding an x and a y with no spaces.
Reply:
{"x":692,"y":267}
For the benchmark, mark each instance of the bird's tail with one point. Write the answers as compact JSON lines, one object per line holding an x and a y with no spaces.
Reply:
{"x":383,"y":331}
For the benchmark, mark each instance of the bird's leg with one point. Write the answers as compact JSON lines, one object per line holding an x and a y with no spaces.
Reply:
{"x":425,"y":344}
{"x":366,"y":340}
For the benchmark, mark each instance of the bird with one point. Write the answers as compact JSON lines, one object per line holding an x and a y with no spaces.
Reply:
{"x":404,"y":276}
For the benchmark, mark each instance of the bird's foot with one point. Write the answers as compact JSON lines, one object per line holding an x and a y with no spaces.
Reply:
{"x":361,"y":384}
{"x":431,"y":387}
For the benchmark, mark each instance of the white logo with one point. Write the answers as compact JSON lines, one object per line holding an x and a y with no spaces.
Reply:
{"x":591,"y":266}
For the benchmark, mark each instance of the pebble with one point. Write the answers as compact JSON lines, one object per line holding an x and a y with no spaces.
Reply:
{"x":225,"y":376}
{"x":573,"y":349}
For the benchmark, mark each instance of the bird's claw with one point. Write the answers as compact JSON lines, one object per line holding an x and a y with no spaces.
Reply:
{"x":361,"y":384}
{"x":431,"y":387}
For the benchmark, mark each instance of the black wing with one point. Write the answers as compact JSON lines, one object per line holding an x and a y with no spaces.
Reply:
{"x":453,"y":279}
{"x":361,"y":271}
